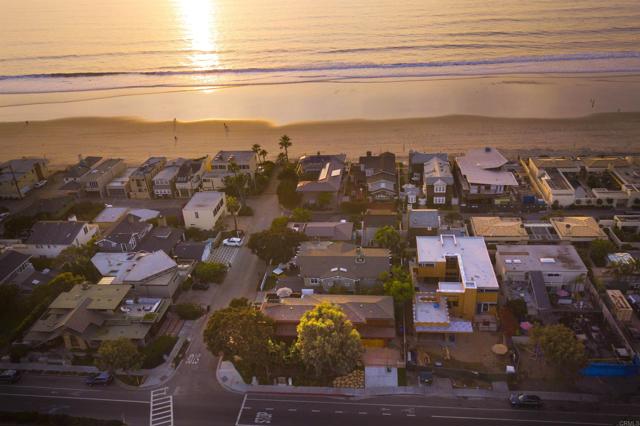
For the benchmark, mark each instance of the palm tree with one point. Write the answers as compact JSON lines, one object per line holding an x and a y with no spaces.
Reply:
{"x":285,"y":143}
{"x":263,"y":153}
{"x":233,"y":207}
{"x":256,"y":150}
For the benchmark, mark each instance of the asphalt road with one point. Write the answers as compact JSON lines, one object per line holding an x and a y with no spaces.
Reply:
{"x":69,"y":395}
{"x":279,"y":410}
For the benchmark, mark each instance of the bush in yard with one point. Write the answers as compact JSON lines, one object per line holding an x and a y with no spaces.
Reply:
{"x":120,"y":354}
{"x":189,"y":311}
{"x":599,"y":249}
{"x":210,"y":272}
{"x":153,"y":354}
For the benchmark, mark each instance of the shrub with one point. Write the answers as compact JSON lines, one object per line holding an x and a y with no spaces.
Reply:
{"x":189,"y":311}
{"x":153,"y":354}
{"x":196,"y":234}
{"x":210,"y":272}
{"x":287,"y":195}
{"x":86,"y":210}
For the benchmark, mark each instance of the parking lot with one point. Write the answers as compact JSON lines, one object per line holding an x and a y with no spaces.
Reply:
{"x":224,"y":254}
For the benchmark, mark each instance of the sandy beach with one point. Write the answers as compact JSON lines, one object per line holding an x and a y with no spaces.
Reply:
{"x":61,"y":141}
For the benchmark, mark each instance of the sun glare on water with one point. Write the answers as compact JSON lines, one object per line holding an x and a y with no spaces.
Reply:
{"x":198,"y":18}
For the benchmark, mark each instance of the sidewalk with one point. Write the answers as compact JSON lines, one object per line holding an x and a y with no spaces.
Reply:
{"x":230,"y":379}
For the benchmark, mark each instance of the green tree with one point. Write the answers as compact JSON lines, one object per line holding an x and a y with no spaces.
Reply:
{"x":48,"y":292}
{"x":263,"y":154}
{"x":452,"y":217}
{"x":300,"y":214}
{"x":189,"y":311}
{"x":388,"y":237}
{"x":279,"y":223}
{"x":244,"y":335}
{"x":599,"y":249}
{"x":210,"y":272}
{"x":287,"y":194}
{"x":118,"y":355}
{"x":256,"y":148}
{"x":233,"y":207}
{"x":285,"y":143}
{"x":327,"y":344}
{"x":276,"y":245}
{"x":237,"y":183}
{"x":398,"y":285}
{"x":77,"y":260}
{"x":561,"y":348}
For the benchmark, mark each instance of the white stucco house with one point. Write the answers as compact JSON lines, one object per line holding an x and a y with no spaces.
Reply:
{"x":204,"y":210}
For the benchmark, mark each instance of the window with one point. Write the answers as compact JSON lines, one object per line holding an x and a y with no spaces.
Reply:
{"x":440,"y":189}
{"x":314,"y":281}
{"x":439,"y":200}
{"x":196,"y":215}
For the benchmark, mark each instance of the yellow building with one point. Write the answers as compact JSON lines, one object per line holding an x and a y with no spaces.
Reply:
{"x":458,"y":287}
{"x":17,"y":177}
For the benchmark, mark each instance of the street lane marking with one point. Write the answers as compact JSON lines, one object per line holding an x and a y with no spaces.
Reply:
{"x":241,"y":408}
{"x":338,"y":412}
{"x":315,"y":411}
{"x":364,"y":413}
{"x":129,"y":401}
{"x":442,"y":407}
{"x":386,"y":414}
{"x":292,"y":410}
{"x":163,"y":414}
{"x":498,"y":419}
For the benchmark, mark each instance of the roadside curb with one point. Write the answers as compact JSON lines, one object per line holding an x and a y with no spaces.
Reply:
{"x":243,"y":388}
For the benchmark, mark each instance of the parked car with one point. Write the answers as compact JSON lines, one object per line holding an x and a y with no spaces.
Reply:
{"x":525,"y":400}
{"x":232,"y":242}
{"x":103,"y":379}
{"x":200,"y":286}
{"x":425,"y":377}
{"x":40,"y":184}
{"x":10,"y":376}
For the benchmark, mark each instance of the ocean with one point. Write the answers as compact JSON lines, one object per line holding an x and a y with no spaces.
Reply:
{"x":82,"y":45}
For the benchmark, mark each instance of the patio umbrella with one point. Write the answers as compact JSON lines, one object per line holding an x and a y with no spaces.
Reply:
{"x":284,"y":292}
{"x":499,"y":349}
{"x":526,"y":325}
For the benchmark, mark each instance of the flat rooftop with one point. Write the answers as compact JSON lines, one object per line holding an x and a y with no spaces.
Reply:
{"x":577,"y":227}
{"x":544,"y":258}
{"x":557,"y":180}
{"x":473,"y":258}
{"x":204,"y":199}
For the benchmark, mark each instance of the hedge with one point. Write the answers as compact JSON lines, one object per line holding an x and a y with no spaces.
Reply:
{"x":189,"y":311}
{"x":153,"y":354}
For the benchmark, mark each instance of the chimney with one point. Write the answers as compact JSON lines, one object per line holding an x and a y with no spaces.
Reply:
{"x":487,"y":149}
{"x":72,"y":218}
{"x":368,"y":153}
{"x":130,"y":218}
{"x":162,"y":220}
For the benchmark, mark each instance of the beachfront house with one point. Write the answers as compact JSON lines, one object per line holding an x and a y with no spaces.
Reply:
{"x":438,"y":183}
{"x":204,"y":210}
{"x":81,"y":168}
{"x":417,"y":162}
{"x":482,"y":178}
{"x":120,"y":187}
{"x":218,"y":170}
{"x":597,"y":181}
{"x":328,"y":231}
{"x":378,"y":174}
{"x":94,"y":183}
{"x":18,"y":177}
{"x":164,"y":183}
{"x":323,"y":192}
{"x":141,"y":181}
{"x":189,"y":177}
